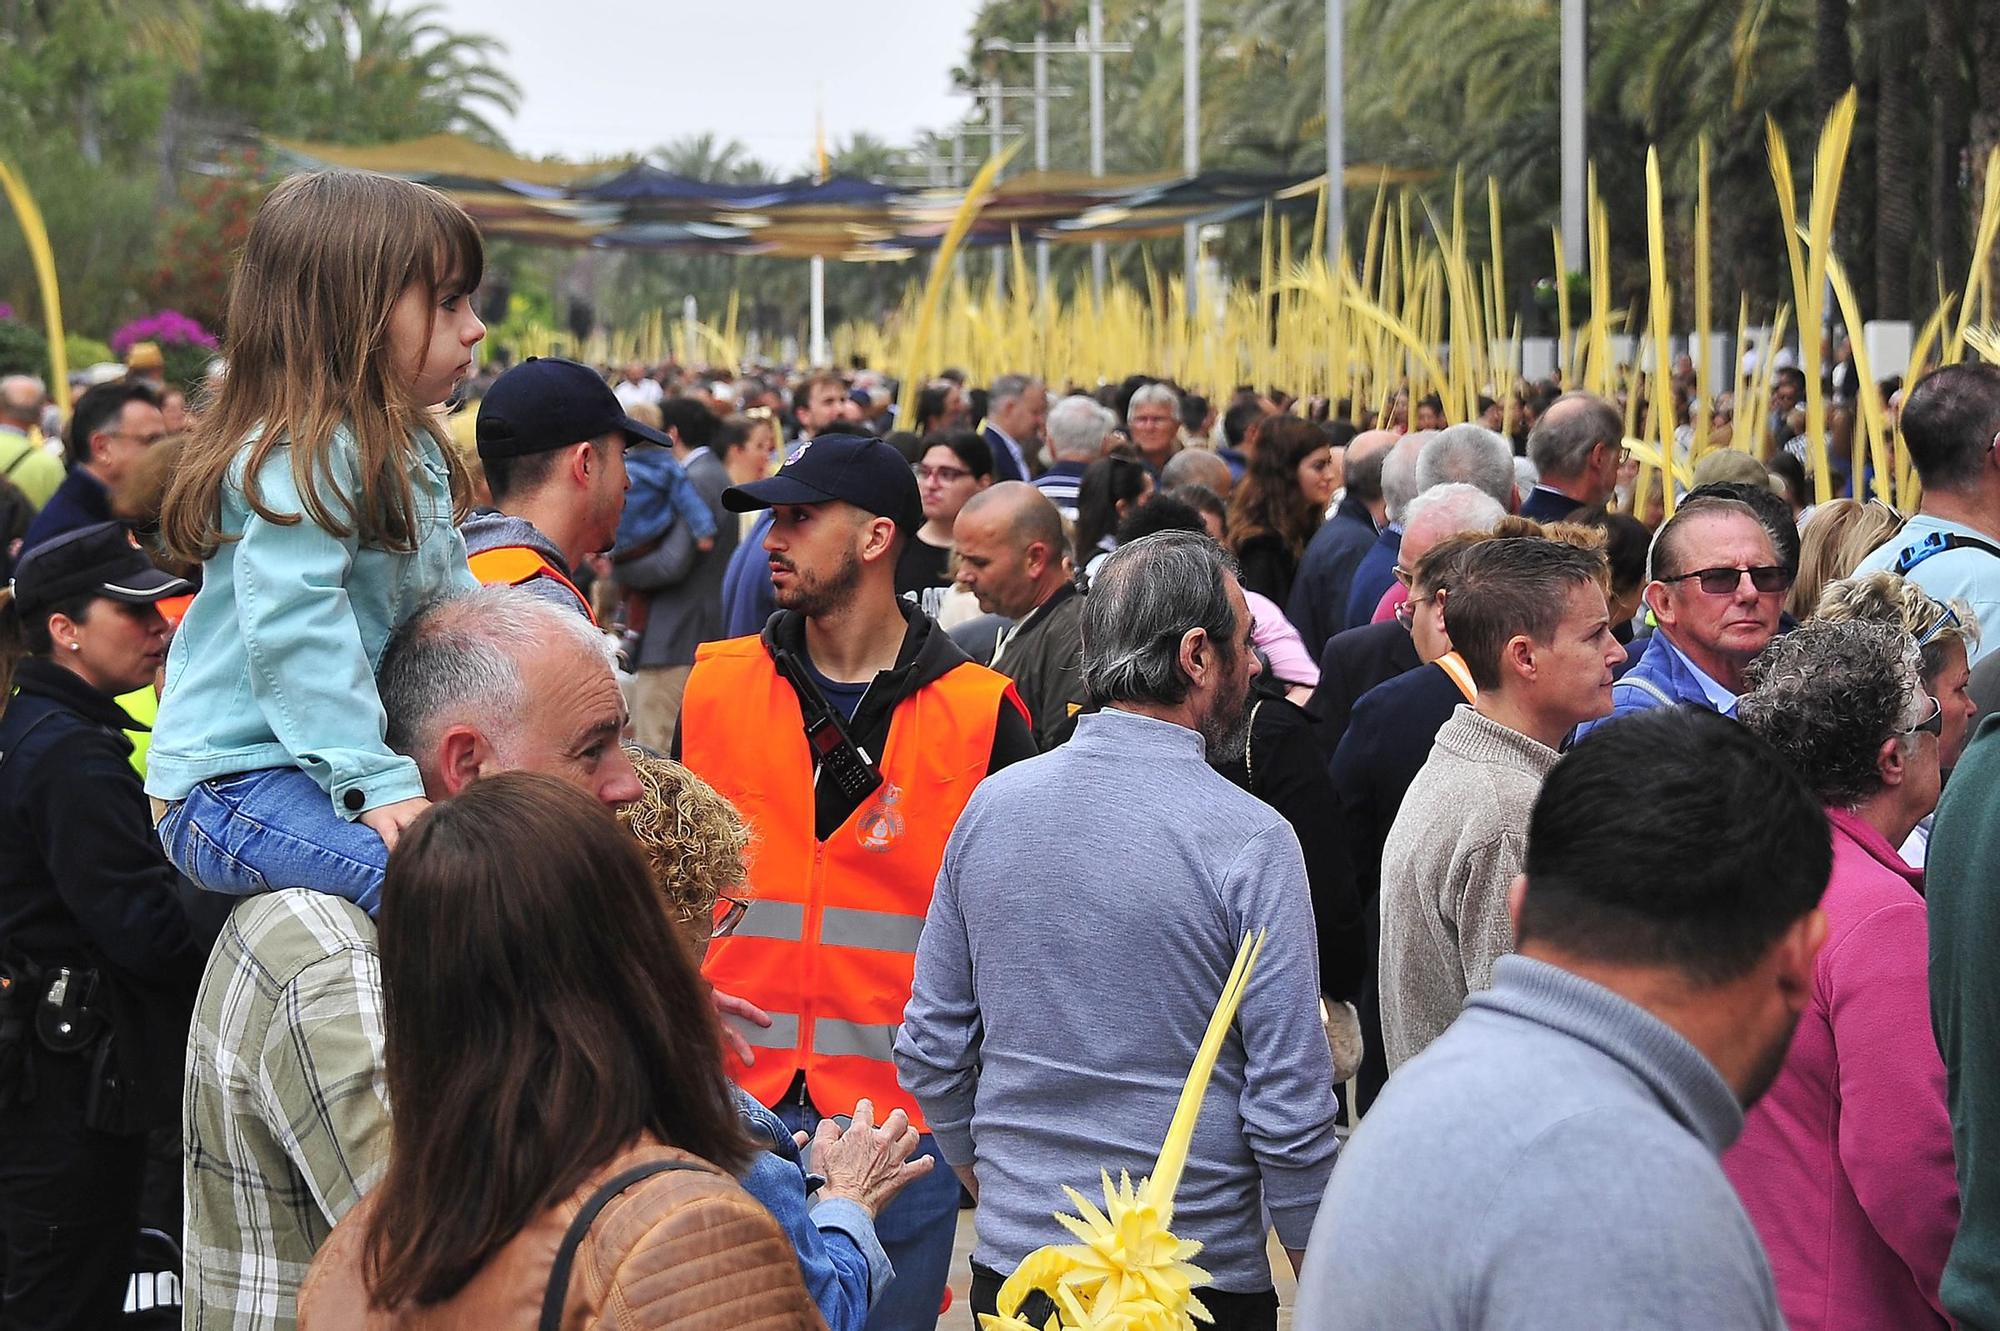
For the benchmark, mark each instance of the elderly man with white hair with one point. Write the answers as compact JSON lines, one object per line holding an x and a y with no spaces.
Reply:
{"x":1077,"y":429}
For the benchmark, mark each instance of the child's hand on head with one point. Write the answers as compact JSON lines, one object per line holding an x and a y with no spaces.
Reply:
{"x":389,"y":820}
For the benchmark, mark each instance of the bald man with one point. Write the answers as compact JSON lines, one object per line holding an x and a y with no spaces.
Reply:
{"x":1011,"y":557}
{"x":1318,"y":608}
{"x":1198,"y":466}
{"x":23,"y":461}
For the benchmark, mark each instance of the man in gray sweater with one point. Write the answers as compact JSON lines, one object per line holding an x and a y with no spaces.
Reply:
{"x":1062,"y":987}
{"x":1529,"y":618}
{"x":1551,"y":1161}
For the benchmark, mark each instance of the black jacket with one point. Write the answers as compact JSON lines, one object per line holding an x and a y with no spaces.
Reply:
{"x":926,"y":654}
{"x":83,"y":882}
{"x":1355,"y":661}
{"x":1281,"y":765}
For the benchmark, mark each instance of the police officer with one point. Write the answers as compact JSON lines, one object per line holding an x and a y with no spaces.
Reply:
{"x":98,"y":958}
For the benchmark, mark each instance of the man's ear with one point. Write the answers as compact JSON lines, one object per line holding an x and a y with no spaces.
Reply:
{"x":1197,"y":654}
{"x":1518,"y":656}
{"x":584,"y":460}
{"x":879,"y":538}
{"x":1654,"y":598}
{"x":463,"y":755}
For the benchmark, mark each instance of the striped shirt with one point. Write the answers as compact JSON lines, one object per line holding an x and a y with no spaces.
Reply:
{"x":286,"y":1115}
{"x":1060,"y":483}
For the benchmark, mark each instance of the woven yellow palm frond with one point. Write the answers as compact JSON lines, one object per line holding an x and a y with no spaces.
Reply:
{"x":1127,"y":1271}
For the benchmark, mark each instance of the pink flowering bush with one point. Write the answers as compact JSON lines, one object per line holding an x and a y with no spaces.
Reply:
{"x":167,"y":328}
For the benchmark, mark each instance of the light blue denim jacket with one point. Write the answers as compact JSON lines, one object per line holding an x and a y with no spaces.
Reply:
{"x":274,"y":664}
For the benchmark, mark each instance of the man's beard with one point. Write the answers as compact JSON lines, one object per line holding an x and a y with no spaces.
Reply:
{"x":813,"y":595}
{"x":1225,"y":730}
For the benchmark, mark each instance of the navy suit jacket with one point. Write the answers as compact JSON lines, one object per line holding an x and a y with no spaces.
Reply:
{"x":1374,"y":575}
{"x":1351,"y":664}
{"x":80,"y":501}
{"x":1545,"y":505}
{"x":1318,"y":604}
{"x":1004,"y":466}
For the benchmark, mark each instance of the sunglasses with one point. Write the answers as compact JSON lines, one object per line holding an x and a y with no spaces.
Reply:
{"x":732,"y":915}
{"x":1932,"y":724}
{"x":1765,"y":578}
{"x":1949,"y":619}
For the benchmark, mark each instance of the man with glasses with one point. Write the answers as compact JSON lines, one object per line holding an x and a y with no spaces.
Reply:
{"x":109,"y":431}
{"x":1717,"y":589}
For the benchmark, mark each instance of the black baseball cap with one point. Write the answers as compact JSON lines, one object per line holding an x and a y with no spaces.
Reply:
{"x":864,"y":472}
{"x":103,"y":559}
{"x":546,"y":403}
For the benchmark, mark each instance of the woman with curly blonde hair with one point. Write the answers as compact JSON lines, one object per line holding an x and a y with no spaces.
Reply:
{"x":694,"y":842}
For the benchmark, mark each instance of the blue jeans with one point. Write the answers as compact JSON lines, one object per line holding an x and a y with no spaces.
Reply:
{"x":262,"y":831}
{"x":917,"y":1231}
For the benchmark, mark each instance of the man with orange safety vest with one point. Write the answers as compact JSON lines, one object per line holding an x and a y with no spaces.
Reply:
{"x":850,"y":734}
{"x":552,"y":439}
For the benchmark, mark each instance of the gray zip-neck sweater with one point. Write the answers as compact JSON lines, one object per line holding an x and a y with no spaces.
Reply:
{"x":1459,"y":839}
{"x":1550,"y":1162}
{"x":1067,"y":972}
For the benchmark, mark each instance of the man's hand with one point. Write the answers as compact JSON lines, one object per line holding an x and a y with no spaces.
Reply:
{"x":866,"y":1164}
{"x":729,"y":1005}
{"x":388,"y":820}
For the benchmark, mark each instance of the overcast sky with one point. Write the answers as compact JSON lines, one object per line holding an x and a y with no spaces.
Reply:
{"x":608,"y":77}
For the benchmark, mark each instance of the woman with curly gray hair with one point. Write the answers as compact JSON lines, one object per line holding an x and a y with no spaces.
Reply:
{"x":1845,"y":1164}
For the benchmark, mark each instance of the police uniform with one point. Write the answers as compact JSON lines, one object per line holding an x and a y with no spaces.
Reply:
{"x":98,"y":962}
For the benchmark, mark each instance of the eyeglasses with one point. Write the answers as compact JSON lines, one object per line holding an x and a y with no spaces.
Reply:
{"x":732,"y":916}
{"x":1766,"y":578}
{"x":1949,"y":619}
{"x":1932,"y":724}
{"x":946,"y":474}
{"x":1403,"y":575}
{"x":1406,"y":612}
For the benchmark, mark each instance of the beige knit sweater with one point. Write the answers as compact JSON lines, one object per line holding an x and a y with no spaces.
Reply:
{"x":1457,"y":844}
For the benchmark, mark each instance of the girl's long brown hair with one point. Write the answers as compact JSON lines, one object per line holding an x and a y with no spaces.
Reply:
{"x":1268,"y":501}
{"x":541,"y":1016}
{"x":307,"y":350}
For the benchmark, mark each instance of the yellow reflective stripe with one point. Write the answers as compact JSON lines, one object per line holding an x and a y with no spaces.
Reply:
{"x":882,"y":931}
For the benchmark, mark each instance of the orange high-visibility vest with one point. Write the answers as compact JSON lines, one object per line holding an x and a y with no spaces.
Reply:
{"x":512,"y":565}
{"x":829,"y":944}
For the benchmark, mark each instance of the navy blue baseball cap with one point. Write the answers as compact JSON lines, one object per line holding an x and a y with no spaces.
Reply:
{"x":104,"y":559}
{"x":864,"y":472}
{"x":546,"y":403}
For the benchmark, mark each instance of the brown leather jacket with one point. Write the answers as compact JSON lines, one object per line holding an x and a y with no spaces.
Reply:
{"x":687,"y":1249}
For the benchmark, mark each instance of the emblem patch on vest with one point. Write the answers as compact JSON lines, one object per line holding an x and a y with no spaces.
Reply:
{"x":880,"y":826}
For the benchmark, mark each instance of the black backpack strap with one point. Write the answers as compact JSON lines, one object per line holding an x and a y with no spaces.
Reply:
{"x":558,"y":1291}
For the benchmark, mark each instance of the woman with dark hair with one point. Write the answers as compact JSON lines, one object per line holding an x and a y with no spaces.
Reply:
{"x":954,"y":466}
{"x":1281,"y":502}
{"x":1111,"y":488}
{"x":556,"y":1072}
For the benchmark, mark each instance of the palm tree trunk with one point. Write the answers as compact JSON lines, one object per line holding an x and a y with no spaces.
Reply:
{"x":1950,"y":125}
{"x":1833,"y":57}
{"x":1897,"y":53}
{"x":1984,"y":127}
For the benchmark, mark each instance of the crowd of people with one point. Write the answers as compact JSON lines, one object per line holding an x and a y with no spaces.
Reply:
{"x":648,"y":845}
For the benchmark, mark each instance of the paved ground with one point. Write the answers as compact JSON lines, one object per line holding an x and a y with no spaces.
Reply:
{"x":958,"y":1318}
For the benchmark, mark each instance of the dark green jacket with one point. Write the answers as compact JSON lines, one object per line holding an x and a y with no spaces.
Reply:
{"x":1962,"y":877}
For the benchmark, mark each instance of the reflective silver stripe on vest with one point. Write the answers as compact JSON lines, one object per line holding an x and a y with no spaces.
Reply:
{"x":782,"y":1033}
{"x":782,"y":920}
{"x":881,"y":930}
{"x":838,"y":1039}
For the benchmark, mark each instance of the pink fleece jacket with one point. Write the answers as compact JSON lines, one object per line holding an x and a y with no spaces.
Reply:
{"x":1845,"y":1165}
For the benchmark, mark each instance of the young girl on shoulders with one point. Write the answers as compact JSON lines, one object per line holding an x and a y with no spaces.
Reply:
{"x":320,"y":495}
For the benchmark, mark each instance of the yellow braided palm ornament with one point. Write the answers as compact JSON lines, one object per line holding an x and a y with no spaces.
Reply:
{"x":1129,"y":1273}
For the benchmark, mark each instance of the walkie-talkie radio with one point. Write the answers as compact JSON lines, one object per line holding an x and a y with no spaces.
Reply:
{"x":846,"y":763}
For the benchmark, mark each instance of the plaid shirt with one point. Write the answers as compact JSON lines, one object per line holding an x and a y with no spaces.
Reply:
{"x":286,"y":1117}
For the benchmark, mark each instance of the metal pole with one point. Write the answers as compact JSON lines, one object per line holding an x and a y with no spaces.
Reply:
{"x":1041,"y":152}
{"x":1191,"y":136}
{"x":1097,"y":254}
{"x":1574,"y":56}
{"x":994,"y":123}
{"x":817,"y":352}
{"x":1336,"y":127}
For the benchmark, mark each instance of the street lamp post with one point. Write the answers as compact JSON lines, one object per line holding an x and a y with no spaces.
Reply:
{"x":1574,"y":57}
{"x":1191,"y":137}
{"x":1336,"y":127}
